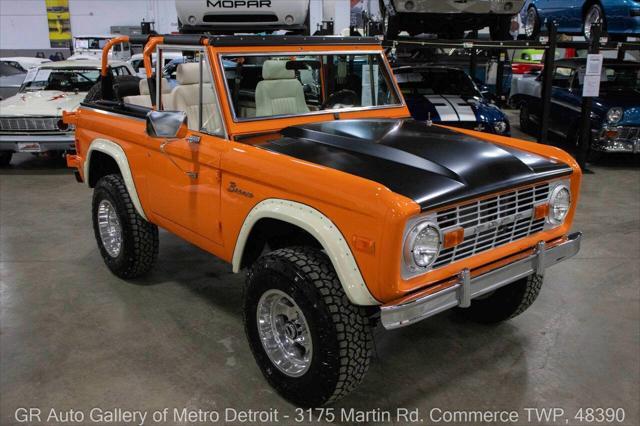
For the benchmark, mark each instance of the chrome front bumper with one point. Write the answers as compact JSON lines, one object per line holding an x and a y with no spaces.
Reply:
{"x":627,"y":141}
{"x":411,"y":310}
{"x":47,"y":142}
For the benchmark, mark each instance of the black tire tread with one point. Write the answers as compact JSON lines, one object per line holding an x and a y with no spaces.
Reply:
{"x":505,"y":303}
{"x":351,"y":323}
{"x":532,"y":290}
{"x":144,"y":235}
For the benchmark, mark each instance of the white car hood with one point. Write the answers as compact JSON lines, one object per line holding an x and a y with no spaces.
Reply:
{"x":41,"y":103}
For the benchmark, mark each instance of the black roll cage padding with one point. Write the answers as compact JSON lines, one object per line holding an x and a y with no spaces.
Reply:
{"x":186,"y":40}
{"x":151,"y":81}
{"x":139,"y":39}
{"x":106,"y":84}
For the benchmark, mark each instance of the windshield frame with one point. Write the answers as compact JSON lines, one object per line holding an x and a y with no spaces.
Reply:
{"x":24,"y":89}
{"x":391,"y":78}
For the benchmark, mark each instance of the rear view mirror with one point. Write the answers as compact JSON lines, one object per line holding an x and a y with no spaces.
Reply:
{"x":167,"y":124}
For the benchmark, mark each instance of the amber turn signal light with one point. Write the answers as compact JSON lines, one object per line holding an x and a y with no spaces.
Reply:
{"x":453,"y":238}
{"x":364,"y":244}
{"x":541,"y":211}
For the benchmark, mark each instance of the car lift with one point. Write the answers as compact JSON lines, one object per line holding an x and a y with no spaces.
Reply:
{"x":549,"y":43}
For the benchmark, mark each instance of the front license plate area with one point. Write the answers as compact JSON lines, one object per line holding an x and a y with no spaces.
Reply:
{"x":29,"y":147}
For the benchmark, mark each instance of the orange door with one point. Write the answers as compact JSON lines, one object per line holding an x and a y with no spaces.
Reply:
{"x":184,"y":178}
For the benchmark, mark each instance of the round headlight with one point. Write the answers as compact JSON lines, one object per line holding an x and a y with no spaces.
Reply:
{"x":614,"y":115}
{"x":500,"y":127}
{"x":422,"y":245}
{"x":192,"y":20}
{"x":559,"y":204}
{"x":289,"y":20}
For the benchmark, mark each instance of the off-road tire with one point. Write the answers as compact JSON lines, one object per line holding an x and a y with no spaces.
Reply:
{"x":505,"y":303}
{"x":5,"y":158}
{"x":340,"y":331}
{"x":123,"y":86}
{"x":139,"y":238}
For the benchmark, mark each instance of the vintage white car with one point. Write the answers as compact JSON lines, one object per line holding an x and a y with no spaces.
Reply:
{"x":137,"y":64}
{"x":90,"y":47}
{"x":223,"y":16}
{"x":24,"y":62}
{"x":449,"y":17}
{"x":30,"y":120}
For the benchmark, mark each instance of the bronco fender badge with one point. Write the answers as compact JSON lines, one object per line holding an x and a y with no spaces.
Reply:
{"x":234,"y":188}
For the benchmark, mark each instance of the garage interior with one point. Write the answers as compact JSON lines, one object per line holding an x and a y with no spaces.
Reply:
{"x":74,"y":336}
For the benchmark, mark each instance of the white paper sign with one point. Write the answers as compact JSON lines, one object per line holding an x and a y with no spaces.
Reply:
{"x":591,"y":87}
{"x":594,"y":64}
{"x":593,"y":72}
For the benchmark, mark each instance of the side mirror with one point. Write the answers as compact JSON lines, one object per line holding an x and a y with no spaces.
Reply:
{"x":167,"y":124}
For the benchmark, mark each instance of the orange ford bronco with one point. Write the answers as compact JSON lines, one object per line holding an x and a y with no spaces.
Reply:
{"x":296,"y":159}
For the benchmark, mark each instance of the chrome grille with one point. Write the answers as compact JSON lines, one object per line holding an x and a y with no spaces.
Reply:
{"x":492,"y":222}
{"x":629,"y":134}
{"x":29,"y":124}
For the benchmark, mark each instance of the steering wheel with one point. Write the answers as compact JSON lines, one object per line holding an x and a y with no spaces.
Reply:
{"x":341,"y":99}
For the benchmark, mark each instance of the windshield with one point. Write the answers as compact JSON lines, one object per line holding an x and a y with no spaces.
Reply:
{"x":9,"y":68}
{"x":267,"y":86}
{"x":436,"y":81}
{"x":90,"y":43}
{"x":80,"y":80}
{"x":619,"y":78}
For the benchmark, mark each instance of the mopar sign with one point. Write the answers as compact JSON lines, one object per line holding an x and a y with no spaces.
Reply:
{"x":232,"y":4}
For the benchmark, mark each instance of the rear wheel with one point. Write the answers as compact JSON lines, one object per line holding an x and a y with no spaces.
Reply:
{"x":594,"y":15}
{"x":532,"y":24}
{"x":312,"y":345}
{"x":505,"y":303}
{"x":128,"y":243}
{"x":5,"y":158}
{"x":391,"y":23}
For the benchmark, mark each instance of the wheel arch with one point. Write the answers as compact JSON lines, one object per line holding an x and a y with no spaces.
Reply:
{"x":104,"y":157}
{"x":311,"y":223}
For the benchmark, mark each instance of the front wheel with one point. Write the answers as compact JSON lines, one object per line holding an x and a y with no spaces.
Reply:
{"x":506,"y":302}
{"x":127,"y":242}
{"x":595,"y":15}
{"x":312,"y":345}
{"x":532,"y":24}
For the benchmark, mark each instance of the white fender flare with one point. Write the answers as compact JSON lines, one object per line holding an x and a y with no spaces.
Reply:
{"x":320,"y":227}
{"x":116,"y":152}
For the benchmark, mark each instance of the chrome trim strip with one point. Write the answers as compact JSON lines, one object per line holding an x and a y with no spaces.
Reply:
{"x":394,"y":85}
{"x":408,"y":312}
{"x":64,"y":138}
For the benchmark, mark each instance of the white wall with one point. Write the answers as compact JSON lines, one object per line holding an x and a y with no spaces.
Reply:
{"x":23,"y":23}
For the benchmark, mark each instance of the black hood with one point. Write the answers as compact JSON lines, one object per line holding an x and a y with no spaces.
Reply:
{"x":431,"y":165}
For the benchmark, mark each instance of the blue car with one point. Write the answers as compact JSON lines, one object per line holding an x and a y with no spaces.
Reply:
{"x":448,"y":96}
{"x":620,"y":18}
{"x":615,"y":117}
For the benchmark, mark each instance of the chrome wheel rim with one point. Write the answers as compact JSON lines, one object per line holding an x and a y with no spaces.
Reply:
{"x":284,"y":333}
{"x":530,"y":23}
{"x":110,"y":229}
{"x":593,"y":17}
